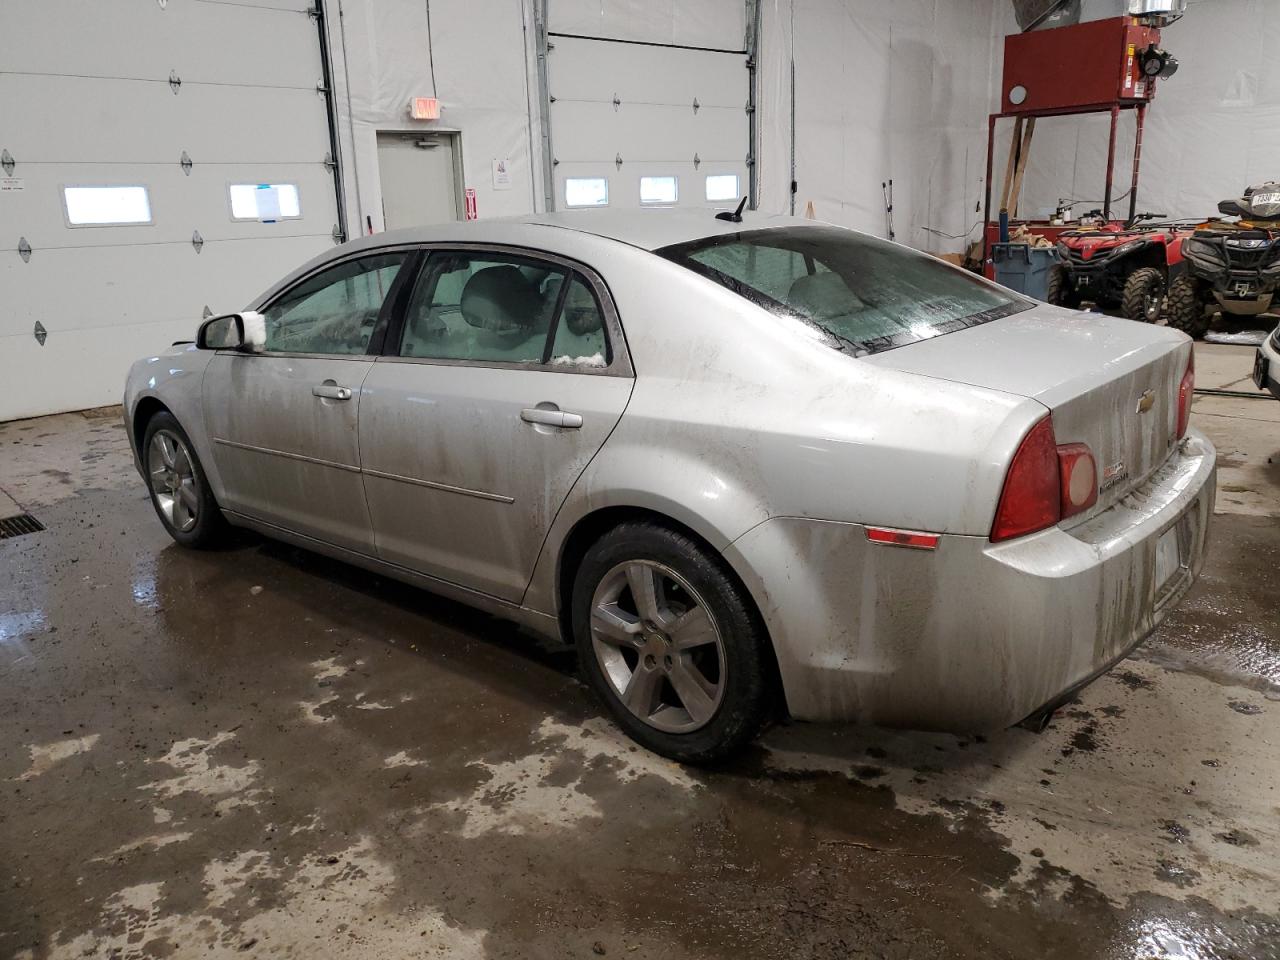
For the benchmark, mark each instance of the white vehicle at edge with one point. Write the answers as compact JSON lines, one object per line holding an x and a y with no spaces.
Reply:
{"x":748,"y":468}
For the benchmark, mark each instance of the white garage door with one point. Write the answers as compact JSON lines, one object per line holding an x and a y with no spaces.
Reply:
{"x":648,"y":108}
{"x":110,"y":245}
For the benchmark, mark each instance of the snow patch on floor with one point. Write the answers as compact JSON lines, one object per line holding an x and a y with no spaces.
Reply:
{"x":328,"y":669}
{"x":522,"y":795}
{"x":338,"y":904}
{"x":402,"y":759}
{"x":199,"y":774}
{"x":46,"y":755}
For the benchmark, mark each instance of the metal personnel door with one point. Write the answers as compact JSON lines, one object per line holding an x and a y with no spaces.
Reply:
{"x":135,"y":137}
{"x":654,"y":104}
{"x":418,"y":176}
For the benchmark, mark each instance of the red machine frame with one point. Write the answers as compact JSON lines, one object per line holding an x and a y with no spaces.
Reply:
{"x":1115,"y":110}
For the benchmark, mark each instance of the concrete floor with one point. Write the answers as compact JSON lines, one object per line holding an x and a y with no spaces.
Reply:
{"x":260,"y":752}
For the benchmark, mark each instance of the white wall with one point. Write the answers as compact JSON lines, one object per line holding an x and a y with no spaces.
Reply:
{"x":882,"y":90}
{"x":483,"y":63}
{"x":1213,"y":129}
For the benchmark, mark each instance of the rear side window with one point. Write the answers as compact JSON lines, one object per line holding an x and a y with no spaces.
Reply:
{"x":868,"y":294}
{"x":493,"y":308}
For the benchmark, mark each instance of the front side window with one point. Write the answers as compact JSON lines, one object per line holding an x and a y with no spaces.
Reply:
{"x":493,"y":308}
{"x":335,"y":311}
{"x":870,"y":295}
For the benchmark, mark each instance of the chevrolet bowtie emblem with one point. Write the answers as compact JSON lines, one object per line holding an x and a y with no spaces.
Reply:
{"x":1146,"y":401}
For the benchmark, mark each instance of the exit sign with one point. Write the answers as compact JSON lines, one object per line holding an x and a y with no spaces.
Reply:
{"x":424,"y":108}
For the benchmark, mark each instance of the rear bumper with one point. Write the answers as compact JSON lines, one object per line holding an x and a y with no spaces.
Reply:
{"x":973,"y":636}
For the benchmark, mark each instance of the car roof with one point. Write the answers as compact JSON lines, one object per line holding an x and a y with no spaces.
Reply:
{"x":646,"y":229}
{"x":656,"y":228}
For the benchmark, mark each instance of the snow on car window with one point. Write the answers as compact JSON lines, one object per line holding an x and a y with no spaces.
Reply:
{"x":580,"y":339}
{"x":865,"y":292}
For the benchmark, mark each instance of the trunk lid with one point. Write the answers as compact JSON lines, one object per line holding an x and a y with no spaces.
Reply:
{"x":1092,"y":372}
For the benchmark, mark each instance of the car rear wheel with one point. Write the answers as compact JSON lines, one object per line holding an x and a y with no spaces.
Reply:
{"x":670,"y":642}
{"x":1187,"y":309}
{"x":1060,"y":292}
{"x":1144,"y":295}
{"x":179,"y":489}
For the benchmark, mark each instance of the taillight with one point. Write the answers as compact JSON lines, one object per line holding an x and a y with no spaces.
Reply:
{"x":1032,"y":495}
{"x":1079,"y":478}
{"x":1046,"y":483}
{"x":1186,"y":389}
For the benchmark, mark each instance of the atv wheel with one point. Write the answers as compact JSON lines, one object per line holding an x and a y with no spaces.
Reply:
{"x":1060,"y":292}
{"x":1143,"y":298}
{"x":1187,"y":309}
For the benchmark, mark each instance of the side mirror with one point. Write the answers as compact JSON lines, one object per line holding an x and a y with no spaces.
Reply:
{"x":1232,"y":208}
{"x":245,"y":331}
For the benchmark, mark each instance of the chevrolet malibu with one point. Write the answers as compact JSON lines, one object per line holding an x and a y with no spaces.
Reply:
{"x":750,"y":468}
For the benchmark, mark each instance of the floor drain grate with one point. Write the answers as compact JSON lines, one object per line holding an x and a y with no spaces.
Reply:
{"x":19,"y":526}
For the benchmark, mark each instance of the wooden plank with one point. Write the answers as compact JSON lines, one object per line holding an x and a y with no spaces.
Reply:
{"x":1013,"y":159}
{"x":1024,"y":156}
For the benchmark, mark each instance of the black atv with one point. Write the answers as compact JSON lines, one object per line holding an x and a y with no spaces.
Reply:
{"x":1232,"y":266}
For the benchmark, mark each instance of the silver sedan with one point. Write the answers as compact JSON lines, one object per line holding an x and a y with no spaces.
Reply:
{"x":751,"y":469}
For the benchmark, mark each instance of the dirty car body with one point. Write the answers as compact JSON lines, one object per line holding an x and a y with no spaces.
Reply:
{"x":866,"y":460}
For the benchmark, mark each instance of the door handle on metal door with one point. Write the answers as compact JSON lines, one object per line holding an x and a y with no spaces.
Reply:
{"x":331,"y":391}
{"x":551,"y":418}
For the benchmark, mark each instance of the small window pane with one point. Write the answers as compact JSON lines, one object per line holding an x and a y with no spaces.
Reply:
{"x":486,"y":308}
{"x":580,"y":338}
{"x":722,"y":186}
{"x":267,"y":202}
{"x":586,"y":191}
{"x":106,"y":206}
{"x":658,"y":190}
{"x":335,"y":311}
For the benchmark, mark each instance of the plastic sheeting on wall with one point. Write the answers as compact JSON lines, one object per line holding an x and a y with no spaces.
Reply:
{"x":1213,"y":129}
{"x":484,"y":70}
{"x":881,"y":91}
{"x":717,"y":24}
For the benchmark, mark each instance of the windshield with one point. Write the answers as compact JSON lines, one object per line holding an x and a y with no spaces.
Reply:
{"x":869,"y":294}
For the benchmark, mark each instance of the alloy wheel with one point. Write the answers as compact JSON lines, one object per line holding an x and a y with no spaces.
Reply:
{"x":173,"y":480}
{"x":658,"y":646}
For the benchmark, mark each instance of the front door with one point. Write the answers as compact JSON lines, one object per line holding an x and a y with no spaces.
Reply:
{"x":508,"y":376}
{"x":418,"y":177}
{"x":283,"y":422}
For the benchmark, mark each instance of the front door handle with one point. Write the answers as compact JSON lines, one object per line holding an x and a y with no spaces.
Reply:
{"x":551,"y":418}
{"x":331,"y":391}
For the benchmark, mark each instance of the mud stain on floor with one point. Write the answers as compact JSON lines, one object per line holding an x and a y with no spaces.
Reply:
{"x":191,"y":767}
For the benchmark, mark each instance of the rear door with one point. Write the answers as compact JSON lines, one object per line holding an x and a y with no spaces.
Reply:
{"x":283,"y":422}
{"x":506,"y":378}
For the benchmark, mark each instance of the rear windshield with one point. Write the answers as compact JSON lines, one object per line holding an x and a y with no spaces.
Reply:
{"x":868,"y":294}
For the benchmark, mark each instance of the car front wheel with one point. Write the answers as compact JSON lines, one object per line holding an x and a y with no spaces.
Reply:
{"x":670,"y":642}
{"x":178,"y":485}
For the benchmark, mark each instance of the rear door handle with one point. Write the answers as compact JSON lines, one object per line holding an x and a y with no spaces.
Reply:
{"x":331,"y":391}
{"x":551,"y":418}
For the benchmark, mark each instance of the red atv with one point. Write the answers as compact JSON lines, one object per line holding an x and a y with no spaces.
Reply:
{"x":1119,"y":265}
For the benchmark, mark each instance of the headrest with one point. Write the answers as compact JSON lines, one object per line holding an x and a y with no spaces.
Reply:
{"x":501,"y":299}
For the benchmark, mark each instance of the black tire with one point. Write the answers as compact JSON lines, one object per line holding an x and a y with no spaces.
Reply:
{"x":1186,"y":308}
{"x":209,"y":528}
{"x":1144,"y":295}
{"x":743,"y":680}
{"x":1060,"y":291}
